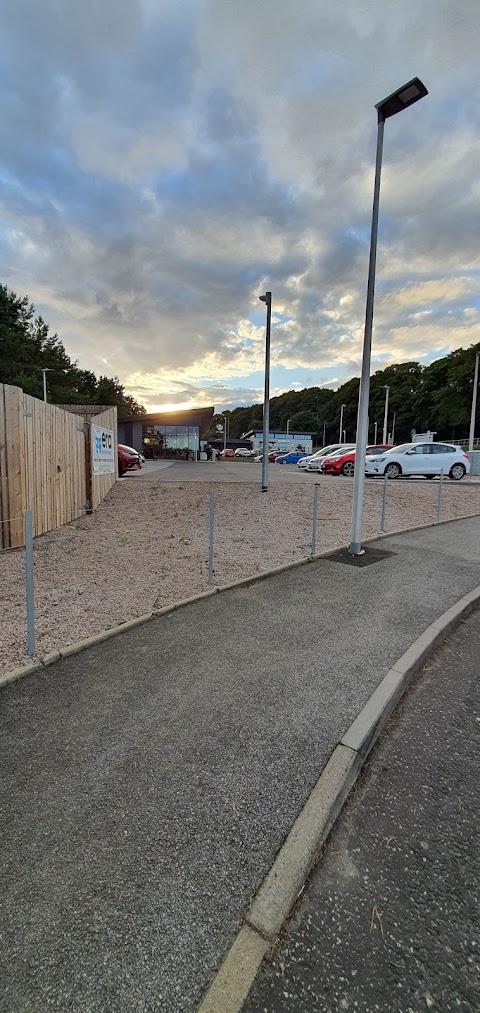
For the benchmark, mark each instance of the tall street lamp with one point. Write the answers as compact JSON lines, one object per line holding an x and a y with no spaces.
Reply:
{"x":288,"y":426}
{"x":341,"y":423}
{"x":474,"y":405}
{"x":401,"y":99}
{"x":267,"y":299}
{"x":385,"y":416}
{"x":49,"y":369}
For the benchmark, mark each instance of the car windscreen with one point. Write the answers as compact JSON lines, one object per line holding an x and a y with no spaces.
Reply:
{"x":399,"y":450}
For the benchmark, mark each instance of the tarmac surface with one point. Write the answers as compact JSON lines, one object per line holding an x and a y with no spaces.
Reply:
{"x":148,"y":782}
{"x":244,"y":470}
{"x":390,"y":917}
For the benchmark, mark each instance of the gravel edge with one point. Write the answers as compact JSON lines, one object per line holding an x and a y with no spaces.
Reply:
{"x":114,"y":631}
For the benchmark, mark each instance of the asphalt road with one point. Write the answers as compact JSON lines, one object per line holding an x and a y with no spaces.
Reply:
{"x":390,"y":918}
{"x":148,"y":783}
{"x":248,"y":471}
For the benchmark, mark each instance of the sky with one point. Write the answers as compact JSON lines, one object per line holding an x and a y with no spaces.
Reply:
{"x":165,"y":162}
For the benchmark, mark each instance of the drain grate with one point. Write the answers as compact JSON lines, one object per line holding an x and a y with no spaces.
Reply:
{"x":366,"y":559}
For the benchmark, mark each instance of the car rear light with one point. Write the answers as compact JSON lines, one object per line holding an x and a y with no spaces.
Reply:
{"x":466,"y":457}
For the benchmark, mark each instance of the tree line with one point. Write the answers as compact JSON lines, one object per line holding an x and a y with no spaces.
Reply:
{"x":27,"y":347}
{"x":437,"y":397}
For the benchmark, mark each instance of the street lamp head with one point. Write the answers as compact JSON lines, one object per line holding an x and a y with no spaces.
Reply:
{"x":266,"y":298}
{"x":405,"y":96}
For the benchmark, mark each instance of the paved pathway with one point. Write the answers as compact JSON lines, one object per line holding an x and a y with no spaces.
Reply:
{"x":390,"y":918}
{"x":148,"y":783}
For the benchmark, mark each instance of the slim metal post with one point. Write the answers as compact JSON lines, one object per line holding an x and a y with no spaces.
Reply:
{"x":210,"y":542}
{"x":375,"y":433}
{"x":44,"y":373}
{"x":324,"y":430}
{"x":224,"y":436}
{"x":29,"y":583}
{"x":341,"y":424}
{"x":385,"y":417}
{"x":474,"y":405}
{"x":314,"y":518}
{"x":362,"y":417}
{"x":439,"y":501}
{"x":267,"y":298}
{"x":384,"y":502}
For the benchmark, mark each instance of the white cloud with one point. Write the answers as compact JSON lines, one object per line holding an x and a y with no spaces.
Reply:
{"x":163,"y":164}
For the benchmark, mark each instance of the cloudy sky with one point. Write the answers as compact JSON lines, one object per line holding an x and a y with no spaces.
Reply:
{"x":163,"y":162}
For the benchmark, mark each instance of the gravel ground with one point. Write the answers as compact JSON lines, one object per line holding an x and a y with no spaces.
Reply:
{"x":147,"y":546}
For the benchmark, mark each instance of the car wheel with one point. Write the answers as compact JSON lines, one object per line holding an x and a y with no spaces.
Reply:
{"x":393,"y":470}
{"x":348,"y":469}
{"x":120,"y":469}
{"x":457,"y":472}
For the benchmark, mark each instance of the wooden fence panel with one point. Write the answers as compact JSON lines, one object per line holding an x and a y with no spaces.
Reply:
{"x":45,"y":464}
{"x":14,"y":450}
{"x":101,"y":484}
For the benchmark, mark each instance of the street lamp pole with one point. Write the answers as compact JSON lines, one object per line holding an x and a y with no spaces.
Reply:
{"x":324,"y":430}
{"x":375,"y":433}
{"x":44,"y":374}
{"x":224,"y":417}
{"x":341,"y":423}
{"x":385,"y":417}
{"x":288,"y":426}
{"x":401,"y":99}
{"x":474,"y":405}
{"x":267,"y":299}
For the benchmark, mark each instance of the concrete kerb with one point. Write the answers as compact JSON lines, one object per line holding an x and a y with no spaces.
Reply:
{"x":287,"y":876}
{"x":115,"y":631}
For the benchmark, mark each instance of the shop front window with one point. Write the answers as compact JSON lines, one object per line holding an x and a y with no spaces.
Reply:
{"x":176,"y":442}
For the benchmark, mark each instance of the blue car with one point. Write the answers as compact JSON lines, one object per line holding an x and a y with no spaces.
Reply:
{"x":291,"y":458}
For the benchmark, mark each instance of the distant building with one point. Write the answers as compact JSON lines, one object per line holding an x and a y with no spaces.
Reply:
{"x":166,"y":434}
{"x":285,"y":442}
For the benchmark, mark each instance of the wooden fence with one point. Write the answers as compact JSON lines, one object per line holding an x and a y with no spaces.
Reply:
{"x":45,"y":465}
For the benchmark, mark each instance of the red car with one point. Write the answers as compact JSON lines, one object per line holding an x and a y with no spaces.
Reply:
{"x":128,"y":459}
{"x":228,"y":452}
{"x":344,"y":464}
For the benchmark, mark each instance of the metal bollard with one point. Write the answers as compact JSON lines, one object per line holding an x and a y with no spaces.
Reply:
{"x":314,"y":518}
{"x":439,"y":501}
{"x":210,"y":547}
{"x":29,"y":583}
{"x":384,"y":502}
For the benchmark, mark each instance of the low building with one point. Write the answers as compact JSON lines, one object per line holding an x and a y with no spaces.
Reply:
{"x":285,"y":442}
{"x":166,"y":434}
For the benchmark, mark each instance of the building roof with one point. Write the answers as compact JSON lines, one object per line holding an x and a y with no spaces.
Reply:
{"x":201,"y":417}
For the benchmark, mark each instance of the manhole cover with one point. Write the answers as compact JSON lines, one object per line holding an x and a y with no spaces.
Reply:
{"x":368,"y":557}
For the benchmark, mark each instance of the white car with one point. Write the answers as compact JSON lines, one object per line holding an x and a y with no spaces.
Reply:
{"x":244,"y":452}
{"x":304,"y":462}
{"x":317,"y":461}
{"x":427,"y":459}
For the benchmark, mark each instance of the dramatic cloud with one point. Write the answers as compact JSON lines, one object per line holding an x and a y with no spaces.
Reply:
{"x":165,"y":161}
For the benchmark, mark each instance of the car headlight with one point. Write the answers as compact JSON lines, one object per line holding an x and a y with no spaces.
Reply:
{"x":377,"y":460}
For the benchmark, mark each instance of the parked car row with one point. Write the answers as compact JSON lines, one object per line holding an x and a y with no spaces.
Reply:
{"x":426,"y":459}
